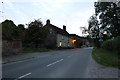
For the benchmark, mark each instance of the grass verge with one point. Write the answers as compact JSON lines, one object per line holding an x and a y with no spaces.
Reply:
{"x":32,"y":50}
{"x":106,"y":58}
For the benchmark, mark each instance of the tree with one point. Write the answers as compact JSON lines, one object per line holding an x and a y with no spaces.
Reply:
{"x":21,"y":29}
{"x":35,"y":33}
{"x":94,"y":30}
{"x":93,"y":27}
{"x":109,"y":15}
{"x":105,"y":23}
{"x":9,"y":30}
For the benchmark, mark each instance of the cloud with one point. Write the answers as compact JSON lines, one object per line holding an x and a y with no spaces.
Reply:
{"x":14,"y":13}
{"x":53,"y":1}
{"x":72,"y":13}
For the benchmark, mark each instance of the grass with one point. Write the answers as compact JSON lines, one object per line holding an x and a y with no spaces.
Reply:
{"x":32,"y":50}
{"x":106,"y":58}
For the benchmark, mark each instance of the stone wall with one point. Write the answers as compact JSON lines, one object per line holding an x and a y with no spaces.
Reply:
{"x":11,"y":47}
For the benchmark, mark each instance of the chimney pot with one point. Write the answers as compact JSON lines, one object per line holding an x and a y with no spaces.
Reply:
{"x":48,"y":21}
{"x":64,"y":27}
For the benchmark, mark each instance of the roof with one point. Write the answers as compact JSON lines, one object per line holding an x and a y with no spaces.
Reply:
{"x":58,"y":30}
{"x":74,"y":35}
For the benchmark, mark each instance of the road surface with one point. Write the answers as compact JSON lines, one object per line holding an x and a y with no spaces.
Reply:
{"x":71,"y":63}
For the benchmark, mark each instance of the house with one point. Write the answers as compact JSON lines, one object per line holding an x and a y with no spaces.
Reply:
{"x":57,"y":37}
{"x":76,"y":40}
{"x":80,"y":41}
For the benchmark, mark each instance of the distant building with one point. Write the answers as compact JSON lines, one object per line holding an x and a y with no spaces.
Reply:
{"x":57,"y":37}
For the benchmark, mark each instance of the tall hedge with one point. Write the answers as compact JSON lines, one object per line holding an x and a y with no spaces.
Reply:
{"x":112,"y":45}
{"x":116,"y":45}
{"x":108,"y":45}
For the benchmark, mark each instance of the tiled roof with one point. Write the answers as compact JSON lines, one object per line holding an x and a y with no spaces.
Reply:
{"x":58,"y":30}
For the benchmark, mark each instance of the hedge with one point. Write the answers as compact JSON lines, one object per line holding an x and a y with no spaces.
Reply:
{"x":112,"y":45}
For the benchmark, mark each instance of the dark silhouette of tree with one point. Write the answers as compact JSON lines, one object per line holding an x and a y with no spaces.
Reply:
{"x":9,"y":30}
{"x":35,"y":33}
{"x":109,"y":15}
{"x":105,"y":23}
{"x":94,"y":30}
{"x":93,"y":27}
{"x":21,"y":28}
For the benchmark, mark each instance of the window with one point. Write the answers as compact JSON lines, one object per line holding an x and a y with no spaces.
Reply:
{"x":62,"y":38}
{"x":60,"y":43}
{"x":50,"y":30}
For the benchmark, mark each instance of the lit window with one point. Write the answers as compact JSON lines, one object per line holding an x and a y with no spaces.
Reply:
{"x":73,"y":41}
{"x":60,"y":43}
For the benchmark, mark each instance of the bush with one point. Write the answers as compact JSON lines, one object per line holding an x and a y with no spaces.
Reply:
{"x":107,"y":45}
{"x":116,"y":44}
{"x":112,"y":45}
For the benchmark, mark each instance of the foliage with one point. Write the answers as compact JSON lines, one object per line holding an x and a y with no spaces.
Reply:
{"x":93,"y":26}
{"x":116,"y":44}
{"x":35,"y":33}
{"x":78,"y":42}
{"x":104,"y":24}
{"x":9,"y":30}
{"x":108,"y":45}
{"x":21,"y":27}
{"x":109,"y":15}
{"x":112,"y":45}
{"x":94,"y":30}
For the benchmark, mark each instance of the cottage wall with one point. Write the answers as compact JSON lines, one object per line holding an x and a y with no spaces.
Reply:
{"x":11,"y":47}
{"x":51,"y":38}
{"x":63,"y":41}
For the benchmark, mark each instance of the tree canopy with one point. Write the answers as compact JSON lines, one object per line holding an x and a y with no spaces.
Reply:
{"x":9,"y":30}
{"x":35,"y":33}
{"x":109,"y":16}
{"x":105,"y":23}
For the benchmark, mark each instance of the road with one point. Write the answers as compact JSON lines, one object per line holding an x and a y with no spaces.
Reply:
{"x":71,"y":63}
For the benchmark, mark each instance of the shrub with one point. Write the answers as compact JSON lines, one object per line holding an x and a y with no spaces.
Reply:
{"x":116,"y":44}
{"x":107,"y":45}
{"x":112,"y":45}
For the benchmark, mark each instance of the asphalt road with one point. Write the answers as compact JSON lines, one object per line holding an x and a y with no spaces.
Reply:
{"x":71,"y":63}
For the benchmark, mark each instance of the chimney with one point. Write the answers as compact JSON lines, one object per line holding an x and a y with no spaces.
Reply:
{"x":64,"y":27}
{"x":48,"y":21}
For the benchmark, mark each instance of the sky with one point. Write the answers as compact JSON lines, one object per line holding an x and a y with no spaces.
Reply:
{"x":71,"y":13}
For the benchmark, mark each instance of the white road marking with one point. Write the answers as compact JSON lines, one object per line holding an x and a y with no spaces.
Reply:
{"x":23,"y":76}
{"x":54,"y":62}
